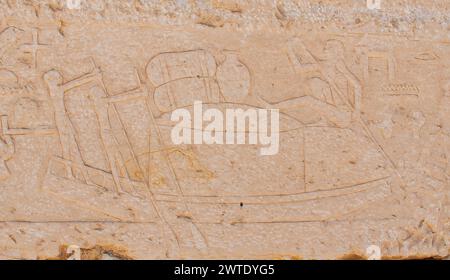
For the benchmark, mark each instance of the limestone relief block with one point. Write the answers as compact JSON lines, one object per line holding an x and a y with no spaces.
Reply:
{"x":224,"y":129}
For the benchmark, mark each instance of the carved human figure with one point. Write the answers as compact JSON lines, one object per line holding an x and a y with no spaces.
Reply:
{"x":327,"y":80}
{"x":6,"y":152}
{"x":334,"y":95}
{"x":101,"y":105}
{"x":66,"y":133}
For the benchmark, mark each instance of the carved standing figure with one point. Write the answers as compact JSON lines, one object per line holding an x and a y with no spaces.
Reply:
{"x":6,"y":152}
{"x":66,"y":132}
{"x":334,"y":93}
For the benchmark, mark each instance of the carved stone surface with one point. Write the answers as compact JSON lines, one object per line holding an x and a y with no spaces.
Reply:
{"x":88,"y":168}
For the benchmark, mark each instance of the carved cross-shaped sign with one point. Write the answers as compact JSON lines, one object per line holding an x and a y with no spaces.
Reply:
{"x":34,"y":46}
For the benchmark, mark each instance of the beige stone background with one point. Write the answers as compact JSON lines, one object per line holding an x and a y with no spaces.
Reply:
{"x":86,"y":157}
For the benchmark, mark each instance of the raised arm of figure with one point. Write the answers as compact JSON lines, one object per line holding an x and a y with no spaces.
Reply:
{"x":91,"y":77}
